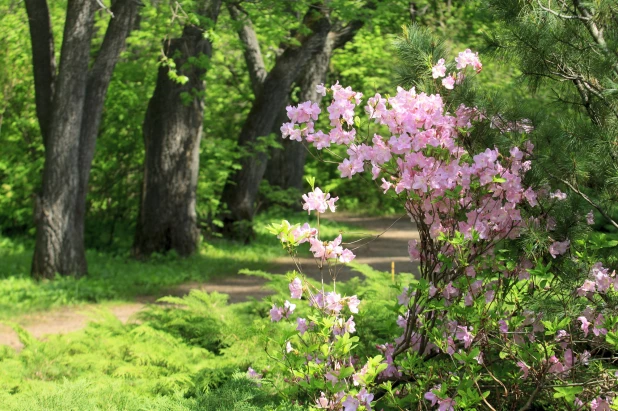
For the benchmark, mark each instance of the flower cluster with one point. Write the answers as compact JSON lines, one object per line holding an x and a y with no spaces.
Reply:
{"x":292,"y":236}
{"x":336,"y":368}
{"x":278,"y":313}
{"x":600,"y":282}
{"x":423,"y":159}
{"x":318,"y":201}
{"x":468,"y":301}
{"x":464,"y":59}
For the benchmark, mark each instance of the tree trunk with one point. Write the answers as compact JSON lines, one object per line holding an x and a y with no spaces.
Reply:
{"x":44,"y":61}
{"x":240,"y":191}
{"x":58,"y":248}
{"x":286,"y":166}
{"x":172,"y":132}
{"x":100,"y":75}
{"x":69,"y":109}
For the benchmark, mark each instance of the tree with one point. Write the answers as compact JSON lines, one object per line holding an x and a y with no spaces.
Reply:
{"x":69,"y":104}
{"x":566,"y":51}
{"x":272,"y":90}
{"x":172,"y":133}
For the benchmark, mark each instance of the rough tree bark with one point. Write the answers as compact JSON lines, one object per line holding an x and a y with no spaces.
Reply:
{"x":43,"y":61}
{"x":240,"y":191}
{"x":69,"y":106}
{"x":172,"y":134}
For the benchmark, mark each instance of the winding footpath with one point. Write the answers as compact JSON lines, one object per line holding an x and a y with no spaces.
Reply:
{"x":390,"y":246}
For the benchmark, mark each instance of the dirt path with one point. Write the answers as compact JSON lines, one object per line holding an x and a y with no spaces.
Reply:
{"x":391,"y":246}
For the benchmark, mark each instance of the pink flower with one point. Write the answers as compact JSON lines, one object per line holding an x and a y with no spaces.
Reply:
{"x":319,"y":201}
{"x":321,"y":89}
{"x":365,"y":398}
{"x":303,"y":233}
{"x":531,"y":197}
{"x":296,"y":288}
{"x":334,"y":302}
{"x":587,"y":287}
{"x":317,"y":248}
{"x":340,"y":327}
{"x":590,"y":218}
{"x":561,"y":335}
{"x":558,"y":195}
{"x":252,"y":374}
{"x":350,"y":404}
{"x":302,"y":325}
{"x":524,"y":369}
{"x":432,"y":290}
{"x":504,"y":327}
{"x":450,"y":292}
{"x":468,"y":58}
{"x":413,"y":251}
{"x":385,"y":185}
{"x":556,"y":366}
{"x":489,"y":296}
{"x":447,"y":404}
{"x":465,"y":336}
{"x":600,"y":404}
{"x":439,"y":70}
{"x":404,"y":297}
{"x":430,"y":396}
{"x":468,"y":300}
{"x":346,"y":256}
{"x":353,"y":303}
{"x":558,"y":248}
{"x":288,"y":308}
{"x":276,"y":314}
{"x":584,"y":357}
{"x":449,"y":82}
{"x":598,"y":326}
{"x":322,"y":402}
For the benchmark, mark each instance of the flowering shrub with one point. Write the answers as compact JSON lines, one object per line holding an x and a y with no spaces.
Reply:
{"x":473,"y":327}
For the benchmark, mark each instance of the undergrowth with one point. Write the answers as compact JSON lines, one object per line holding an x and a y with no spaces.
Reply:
{"x":189,"y":353}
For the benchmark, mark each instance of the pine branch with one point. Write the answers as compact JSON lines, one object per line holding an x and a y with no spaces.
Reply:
{"x":586,"y":198}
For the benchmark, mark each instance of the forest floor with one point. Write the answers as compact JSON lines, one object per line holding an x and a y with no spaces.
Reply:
{"x":390,"y":246}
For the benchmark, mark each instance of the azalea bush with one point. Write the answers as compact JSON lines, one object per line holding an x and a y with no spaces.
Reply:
{"x":492,"y":321}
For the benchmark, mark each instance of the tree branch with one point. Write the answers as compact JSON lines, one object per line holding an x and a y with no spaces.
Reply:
{"x":347,"y":33}
{"x":252,"y":52}
{"x":562,"y":16}
{"x":43,"y":62}
{"x":124,"y":13}
{"x":586,"y":198}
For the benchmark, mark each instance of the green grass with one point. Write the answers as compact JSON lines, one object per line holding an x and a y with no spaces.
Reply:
{"x":118,"y":277}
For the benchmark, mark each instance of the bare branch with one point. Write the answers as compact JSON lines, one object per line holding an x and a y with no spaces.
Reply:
{"x":562,"y":16}
{"x":104,"y":7}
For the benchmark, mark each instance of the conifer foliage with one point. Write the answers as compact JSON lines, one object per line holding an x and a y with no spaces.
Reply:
{"x":567,"y":53}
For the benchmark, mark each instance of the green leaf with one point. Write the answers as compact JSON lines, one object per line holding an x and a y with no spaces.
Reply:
{"x":568,"y":393}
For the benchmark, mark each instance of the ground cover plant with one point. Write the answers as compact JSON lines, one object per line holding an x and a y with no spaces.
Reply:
{"x":191,"y":353}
